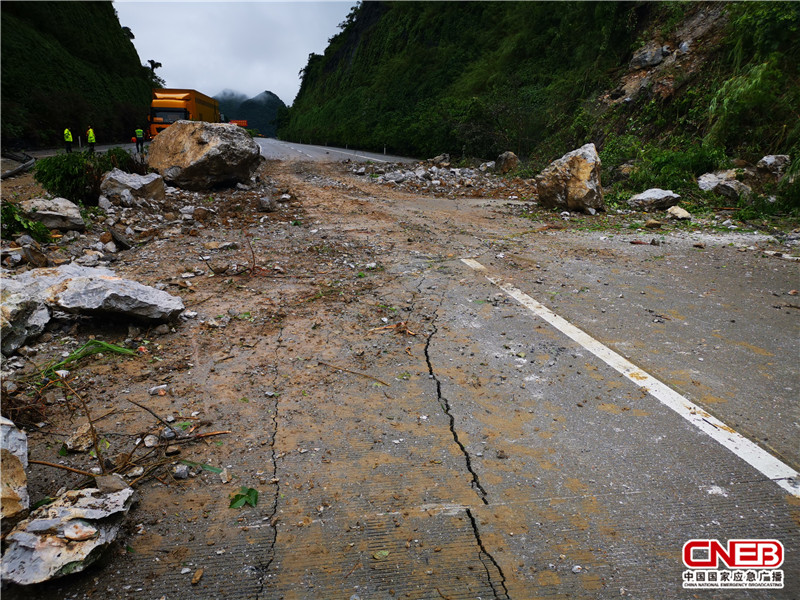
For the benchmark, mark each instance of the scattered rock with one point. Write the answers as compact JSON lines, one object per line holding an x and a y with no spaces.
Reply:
{"x":507,"y":161}
{"x":197,"y":156}
{"x":652,"y":224}
{"x":649,"y":56}
{"x":774,"y":165}
{"x":116,"y":183}
{"x":681,"y":214}
{"x":654,"y":199}
{"x":81,"y":440}
{"x":572,"y":182}
{"x":267,"y":204}
{"x":56,"y":213}
{"x":65,"y":536}
{"x":724,"y":183}
{"x":180,"y":472}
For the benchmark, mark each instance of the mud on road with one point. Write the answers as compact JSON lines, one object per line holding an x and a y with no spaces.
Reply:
{"x":410,"y":432}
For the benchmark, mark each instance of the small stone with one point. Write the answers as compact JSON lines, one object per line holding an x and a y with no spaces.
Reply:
{"x":198,"y":575}
{"x":150,"y":441}
{"x":172,"y":450}
{"x":159,"y":390}
{"x":577,"y":569}
{"x":652,"y":224}
{"x":168,"y":433}
{"x":105,"y":237}
{"x":180,"y":472}
{"x":676,"y":212}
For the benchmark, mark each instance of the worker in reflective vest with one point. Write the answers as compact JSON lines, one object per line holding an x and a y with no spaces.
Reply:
{"x":67,"y":140}
{"x":139,"y":140}
{"x":90,"y":138}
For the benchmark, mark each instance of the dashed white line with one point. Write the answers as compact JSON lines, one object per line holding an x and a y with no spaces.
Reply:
{"x":752,"y":454}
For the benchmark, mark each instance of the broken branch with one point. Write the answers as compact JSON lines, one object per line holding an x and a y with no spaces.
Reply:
{"x":47,"y":464}
{"x":353,"y":372}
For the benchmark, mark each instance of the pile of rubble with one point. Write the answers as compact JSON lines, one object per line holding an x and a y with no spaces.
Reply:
{"x":570,"y":183}
{"x":71,"y":278}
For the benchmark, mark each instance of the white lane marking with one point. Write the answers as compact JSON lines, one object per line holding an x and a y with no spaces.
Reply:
{"x":350,"y":153}
{"x":752,"y":454}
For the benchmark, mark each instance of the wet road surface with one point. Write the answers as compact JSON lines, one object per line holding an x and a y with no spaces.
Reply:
{"x":434,"y":438}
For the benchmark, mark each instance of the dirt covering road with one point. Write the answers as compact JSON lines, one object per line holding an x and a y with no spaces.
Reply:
{"x":411,"y":430}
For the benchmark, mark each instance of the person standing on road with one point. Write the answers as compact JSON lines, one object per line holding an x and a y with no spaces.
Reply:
{"x":90,"y":138}
{"x":139,"y":140}
{"x":67,"y":140}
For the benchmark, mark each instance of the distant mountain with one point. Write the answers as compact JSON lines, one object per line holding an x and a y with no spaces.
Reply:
{"x":260,"y":112}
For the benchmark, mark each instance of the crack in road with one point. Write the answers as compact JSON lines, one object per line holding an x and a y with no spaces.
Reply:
{"x":445,"y":404}
{"x":485,"y":552}
{"x":264,"y":567}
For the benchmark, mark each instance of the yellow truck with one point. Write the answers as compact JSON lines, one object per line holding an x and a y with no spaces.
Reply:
{"x":170,"y":105}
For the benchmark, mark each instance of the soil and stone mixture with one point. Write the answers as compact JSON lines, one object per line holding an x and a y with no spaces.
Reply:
{"x":286,"y":311}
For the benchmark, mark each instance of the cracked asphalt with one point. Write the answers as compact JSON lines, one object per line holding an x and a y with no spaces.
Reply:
{"x":414,"y":432}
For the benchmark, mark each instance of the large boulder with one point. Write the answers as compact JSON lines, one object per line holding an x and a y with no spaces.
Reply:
{"x":506,"y":162}
{"x":55,"y":213}
{"x":572,"y":182}
{"x":198,"y":156}
{"x":144,"y":187}
{"x":654,"y":199}
{"x":27,"y":300}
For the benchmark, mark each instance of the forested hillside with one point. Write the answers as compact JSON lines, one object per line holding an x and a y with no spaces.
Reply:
{"x":680,"y":86}
{"x":69,"y":64}
{"x":261,"y":112}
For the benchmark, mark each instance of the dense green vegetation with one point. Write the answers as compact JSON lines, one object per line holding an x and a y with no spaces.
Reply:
{"x":69,"y":64}
{"x":77,"y":176}
{"x":478,"y":78}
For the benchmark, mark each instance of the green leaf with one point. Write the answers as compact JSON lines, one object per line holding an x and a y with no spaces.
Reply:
{"x":42,"y":502}
{"x":245,"y":495}
{"x":202,"y":466}
{"x":238,"y":501}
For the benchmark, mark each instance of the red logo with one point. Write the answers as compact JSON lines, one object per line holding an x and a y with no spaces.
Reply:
{"x":740,"y":554}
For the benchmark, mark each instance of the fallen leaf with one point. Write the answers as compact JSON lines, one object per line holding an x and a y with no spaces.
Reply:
{"x":198,"y":575}
{"x":381,"y":555}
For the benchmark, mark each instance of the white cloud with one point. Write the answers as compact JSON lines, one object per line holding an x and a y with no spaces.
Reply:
{"x":244,"y":46}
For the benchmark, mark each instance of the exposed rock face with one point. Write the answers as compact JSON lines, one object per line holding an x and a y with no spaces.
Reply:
{"x":198,"y":156}
{"x":28,"y":298}
{"x":65,"y":536}
{"x":572,"y":182}
{"x":56,"y":213}
{"x":145,"y":187}
{"x":654,"y":199}
{"x":506,"y":162}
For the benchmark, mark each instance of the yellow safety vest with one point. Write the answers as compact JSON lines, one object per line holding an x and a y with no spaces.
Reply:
{"x":90,"y":136}
{"x":139,"y":133}
{"x":67,"y":135}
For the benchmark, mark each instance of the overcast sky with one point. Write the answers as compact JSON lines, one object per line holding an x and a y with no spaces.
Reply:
{"x":248,"y":47}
